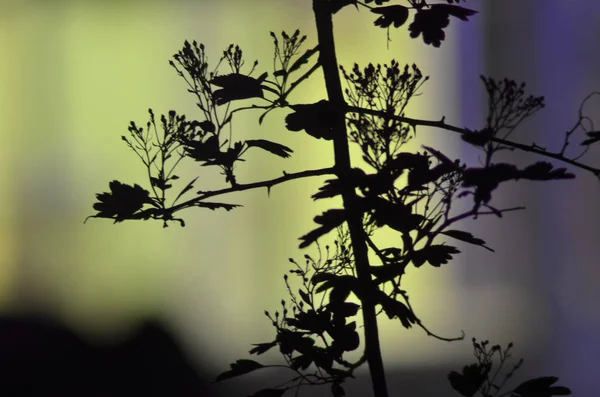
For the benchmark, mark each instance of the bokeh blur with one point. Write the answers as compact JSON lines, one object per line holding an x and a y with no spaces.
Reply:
{"x":74,"y":73}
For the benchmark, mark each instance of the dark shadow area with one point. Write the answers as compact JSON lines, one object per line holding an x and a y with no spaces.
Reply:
{"x":39,"y":357}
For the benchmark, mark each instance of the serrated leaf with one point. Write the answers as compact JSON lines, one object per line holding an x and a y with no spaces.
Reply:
{"x":395,"y":14}
{"x":271,"y":147}
{"x":214,"y":206}
{"x":261,"y":348}
{"x":240,"y":367}
{"x":541,"y":387}
{"x":436,"y":255}
{"x":329,"y":220}
{"x":236,"y":86}
{"x":466,"y":237}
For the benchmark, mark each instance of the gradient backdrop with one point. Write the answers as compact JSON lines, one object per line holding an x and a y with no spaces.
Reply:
{"x":74,"y":73}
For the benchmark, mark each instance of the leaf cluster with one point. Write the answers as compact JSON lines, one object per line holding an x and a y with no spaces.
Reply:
{"x":485,"y":378}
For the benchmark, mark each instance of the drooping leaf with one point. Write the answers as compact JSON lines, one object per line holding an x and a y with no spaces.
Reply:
{"x":541,"y":387}
{"x":269,"y":393}
{"x":261,"y":348}
{"x":395,"y":14}
{"x":237,"y":86}
{"x":436,"y":255}
{"x":186,"y":189}
{"x":594,"y":136}
{"x":271,"y":147}
{"x":240,"y":367}
{"x":303,"y":59}
{"x":466,"y":237}
{"x":394,"y":308}
{"x":122,"y":201}
{"x":543,"y":171}
{"x":214,"y":206}
{"x":471,"y":379}
{"x":329,"y":220}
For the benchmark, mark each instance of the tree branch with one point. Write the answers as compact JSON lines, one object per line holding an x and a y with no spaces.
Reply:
{"x":241,"y":187}
{"x":443,"y":125}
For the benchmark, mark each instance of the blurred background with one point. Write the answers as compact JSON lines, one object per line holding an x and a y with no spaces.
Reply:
{"x":73,"y":74}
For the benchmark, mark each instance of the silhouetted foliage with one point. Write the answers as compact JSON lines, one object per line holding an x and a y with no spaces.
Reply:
{"x":479,"y":377}
{"x":411,"y":194}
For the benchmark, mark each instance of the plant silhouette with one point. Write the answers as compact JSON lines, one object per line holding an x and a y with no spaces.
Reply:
{"x":315,"y":328}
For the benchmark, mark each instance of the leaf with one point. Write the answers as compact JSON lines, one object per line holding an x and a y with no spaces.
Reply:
{"x":303,"y":59}
{"x":436,"y":255}
{"x":186,"y":189}
{"x":394,"y":308}
{"x":594,"y":136}
{"x":466,"y":237}
{"x":310,"y":321}
{"x":471,"y":379}
{"x":305,"y":297}
{"x":122,"y":201}
{"x":207,"y":126}
{"x":214,"y":206}
{"x":240,"y":367}
{"x":271,"y":147}
{"x":329,"y":220}
{"x":391,"y":14}
{"x":317,"y":119}
{"x":294,"y":340}
{"x":397,"y":216}
{"x":542,"y":171}
{"x":345,"y":337}
{"x":237,"y":86}
{"x":541,"y":387}
{"x":262,"y":348}
{"x":202,"y":151}
{"x":269,"y":393}
{"x":334,"y":187}
{"x":344,"y":309}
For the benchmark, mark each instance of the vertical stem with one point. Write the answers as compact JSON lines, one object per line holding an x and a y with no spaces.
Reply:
{"x":328,"y":61}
